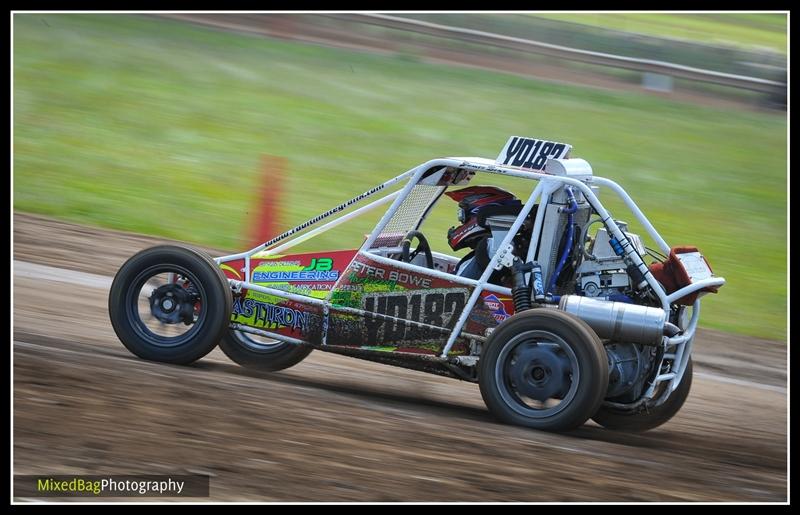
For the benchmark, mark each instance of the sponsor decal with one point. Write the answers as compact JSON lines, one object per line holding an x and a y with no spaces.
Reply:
{"x":386,"y":284}
{"x":497,"y":307}
{"x":268,"y":276}
{"x":319,"y":270}
{"x":308,"y":290}
{"x":347,"y":298}
{"x":262,"y":314}
{"x":530,"y":153}
{"x":396,"y":276}
{"x":350,"y":287}
{"x":320,"y":264}
{"x":283,"y":263}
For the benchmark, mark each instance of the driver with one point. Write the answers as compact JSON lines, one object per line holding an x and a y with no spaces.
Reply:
{"x":475,"y":204}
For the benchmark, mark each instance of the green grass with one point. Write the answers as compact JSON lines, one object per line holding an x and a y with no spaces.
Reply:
{"x":155,"y":126}
{"x":734,"y":29}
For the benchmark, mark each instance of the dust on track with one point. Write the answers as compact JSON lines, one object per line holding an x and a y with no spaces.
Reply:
{"x":338,"y":429}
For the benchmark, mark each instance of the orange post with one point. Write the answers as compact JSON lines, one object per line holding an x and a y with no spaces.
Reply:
{"x":268,"y":202}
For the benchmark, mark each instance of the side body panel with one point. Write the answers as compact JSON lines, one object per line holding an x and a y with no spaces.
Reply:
{"x":405,"y":296}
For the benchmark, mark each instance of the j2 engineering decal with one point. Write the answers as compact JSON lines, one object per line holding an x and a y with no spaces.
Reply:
{"x":295,"y":275}
{"x":319,"y":270}
{"x":320,"y":264}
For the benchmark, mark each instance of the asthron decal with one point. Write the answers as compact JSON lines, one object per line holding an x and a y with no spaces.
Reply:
{"x":270,"y":315}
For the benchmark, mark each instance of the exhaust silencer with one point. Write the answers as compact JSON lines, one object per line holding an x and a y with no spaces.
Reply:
{"x":617,"y":321}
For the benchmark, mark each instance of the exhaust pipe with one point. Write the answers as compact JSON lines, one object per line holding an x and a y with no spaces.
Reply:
{"x":619,"y":321}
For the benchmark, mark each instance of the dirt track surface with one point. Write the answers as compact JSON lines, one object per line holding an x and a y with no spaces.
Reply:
{"x":339,"y":429}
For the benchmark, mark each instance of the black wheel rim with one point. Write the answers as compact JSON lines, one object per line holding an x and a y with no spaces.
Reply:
{"x":148,"y":319}
{"x":537,"y":374}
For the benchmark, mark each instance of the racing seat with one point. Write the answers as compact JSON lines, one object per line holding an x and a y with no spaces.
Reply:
{"x":473,"y":264}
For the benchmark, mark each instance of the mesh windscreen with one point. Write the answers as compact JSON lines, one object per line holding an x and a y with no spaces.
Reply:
{"x":408,"y":215}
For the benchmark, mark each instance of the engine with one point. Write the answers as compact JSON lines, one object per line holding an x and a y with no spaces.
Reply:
{"x":588,"y":277}
{"x":602,"y":273}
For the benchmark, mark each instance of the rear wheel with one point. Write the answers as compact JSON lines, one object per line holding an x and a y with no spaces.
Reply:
{"x":170,"y":303}
{"x":543,"y":369}
{"x":638,"y":421}
{"x":261,"y":353}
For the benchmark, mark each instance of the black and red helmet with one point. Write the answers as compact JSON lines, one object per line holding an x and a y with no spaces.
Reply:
{"x":471,"y":202}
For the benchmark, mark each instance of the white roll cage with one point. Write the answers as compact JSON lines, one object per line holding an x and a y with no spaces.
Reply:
{"x":547,"y":184}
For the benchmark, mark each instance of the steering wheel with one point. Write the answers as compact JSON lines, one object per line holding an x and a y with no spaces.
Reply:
{"x":408,"y":257}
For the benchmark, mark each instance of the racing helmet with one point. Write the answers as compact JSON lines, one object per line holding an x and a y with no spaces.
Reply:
{"x":472,"y":202}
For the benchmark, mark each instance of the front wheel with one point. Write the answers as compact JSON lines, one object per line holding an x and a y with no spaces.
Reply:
{"x":647,"y":418}
{"x":543,"y":369}
{"x":170,"y":303}
{"x":261,"y":353}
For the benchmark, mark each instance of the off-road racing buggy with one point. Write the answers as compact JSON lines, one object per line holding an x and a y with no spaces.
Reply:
{"x":554,"y":312}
